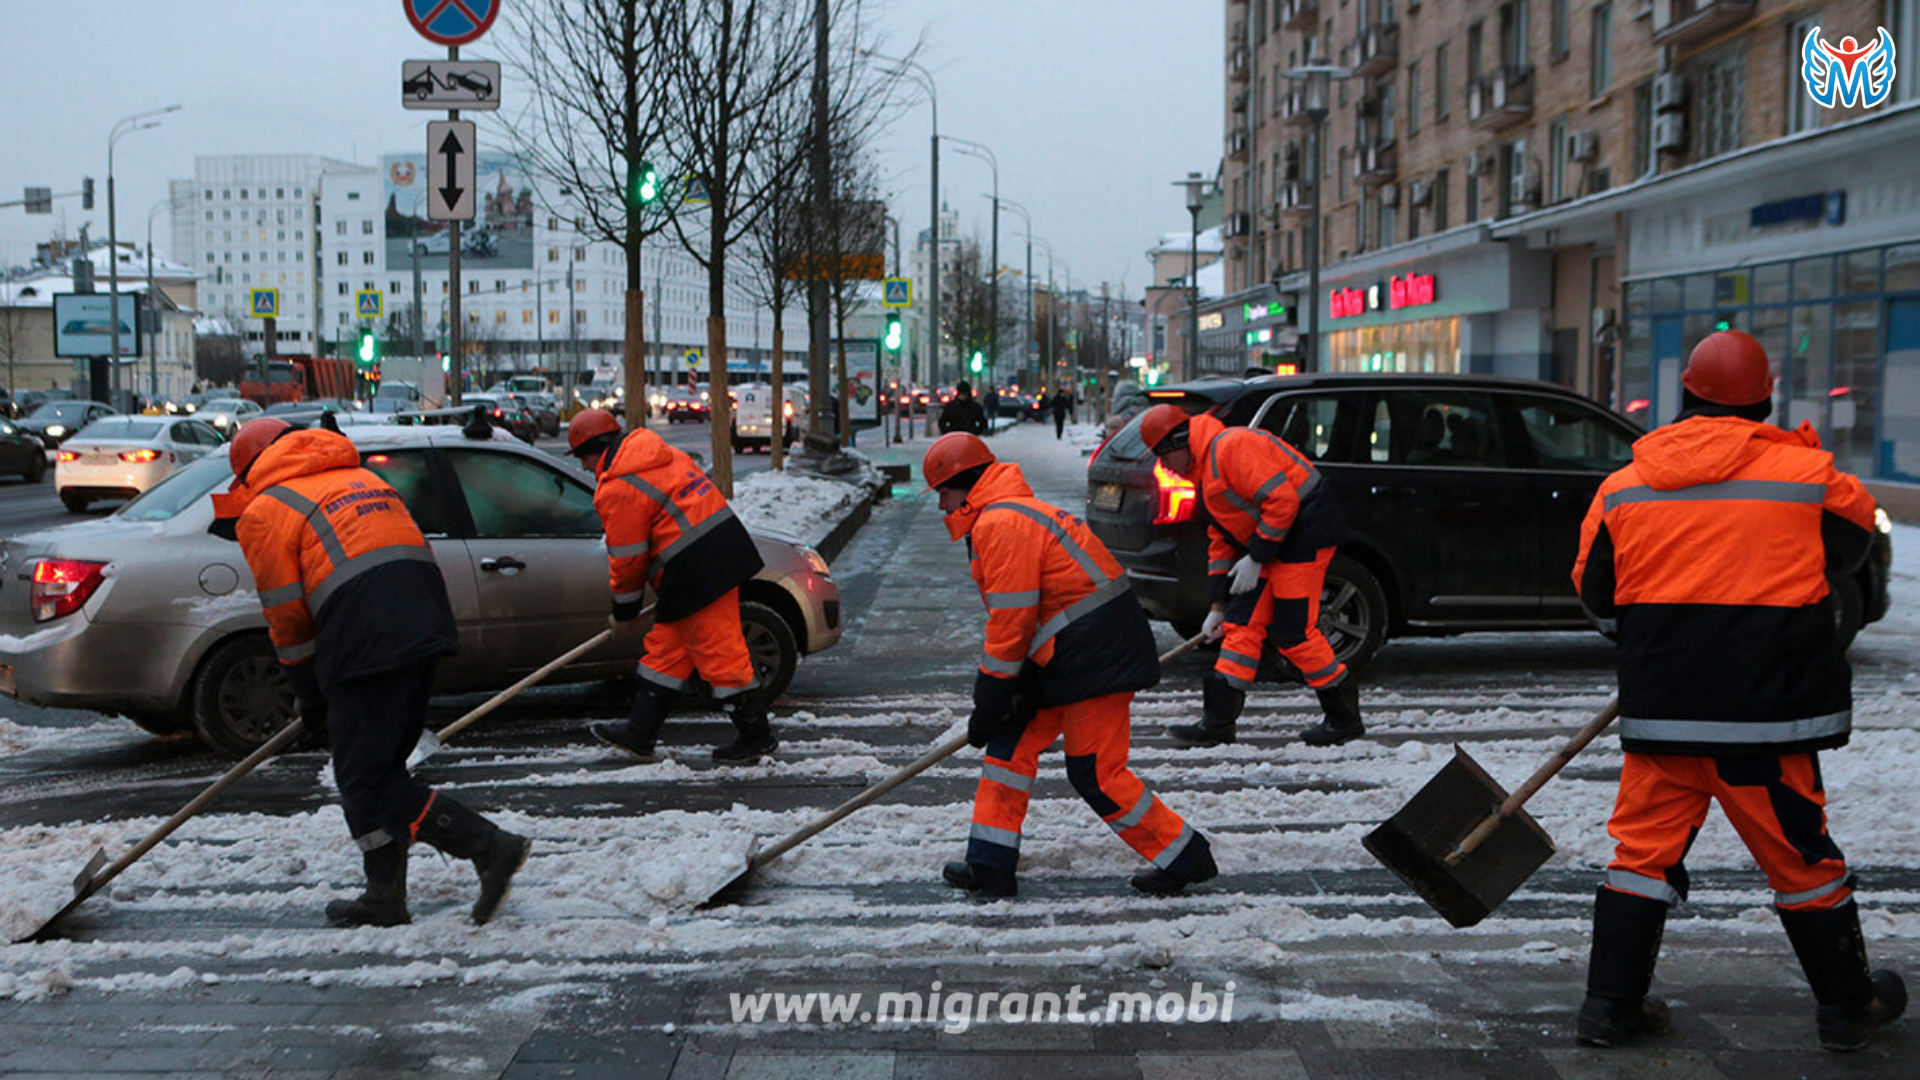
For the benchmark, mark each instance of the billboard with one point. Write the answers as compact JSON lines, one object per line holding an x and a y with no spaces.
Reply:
{"x":82,"y":325}
{"x":500,"y":236}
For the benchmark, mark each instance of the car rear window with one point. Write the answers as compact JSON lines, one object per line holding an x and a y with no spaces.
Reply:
{"x":118,"y":428}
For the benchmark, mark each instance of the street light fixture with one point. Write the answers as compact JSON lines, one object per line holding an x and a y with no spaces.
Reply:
{"x":1028,"y":343}
{"x":1317,"y":76}
{"x":1196,"y":186}
{"x":981,"y":151}
{"x":122,"y":127}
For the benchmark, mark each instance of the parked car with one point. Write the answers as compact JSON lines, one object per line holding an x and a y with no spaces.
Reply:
{"x":1465,"y":496}
{"x":546,"y":412}
{"x":227,"y":415}
{"x":311,"y":407}
{"x":56,"y":421}
{"x":505,"y":411}
{"x":22,"y":454}
{"x":118,"y":457}
{"x":687,"y":405}
{"x":172,"y":635}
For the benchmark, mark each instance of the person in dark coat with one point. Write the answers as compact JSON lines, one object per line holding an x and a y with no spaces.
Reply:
{"x":962,"y":412}
{"x":1062,"y":405}
{"x":990,"y":401}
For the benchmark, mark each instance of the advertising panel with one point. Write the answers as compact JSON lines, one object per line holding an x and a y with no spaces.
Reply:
{"x":500,"y":236}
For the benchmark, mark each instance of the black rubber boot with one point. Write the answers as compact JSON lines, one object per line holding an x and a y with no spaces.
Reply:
{"x":1853,"y":1001}
{"x":1341,"y":703}
{"x":1220,"y":707}
{"x":1626,"y":942}
{"x":1193,"y":866}
{"x":987,"y":881}
{"x":755,"y":739}
{"x":384,"y":903}
{"x":497,"y":855}
{"x":642,"y":727}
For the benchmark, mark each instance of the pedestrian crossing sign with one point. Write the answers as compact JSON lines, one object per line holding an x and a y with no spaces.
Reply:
{"x":897,"y":292}
{"x":366,"y":303}
{"x":264,"y":303}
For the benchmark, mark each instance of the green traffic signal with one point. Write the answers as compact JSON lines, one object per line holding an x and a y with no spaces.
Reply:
{"x":646,"y":184}
{"x":979,"y":362}
{"x":895,"y":335}
{"x":369,"y":351}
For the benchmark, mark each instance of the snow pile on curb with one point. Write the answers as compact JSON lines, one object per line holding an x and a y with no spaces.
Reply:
{"x":802,"y":506}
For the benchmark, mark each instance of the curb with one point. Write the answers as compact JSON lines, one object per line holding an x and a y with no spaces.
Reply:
{"x":842,"y":534}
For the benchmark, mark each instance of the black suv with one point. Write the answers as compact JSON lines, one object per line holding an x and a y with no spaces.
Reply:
{"x":1465,"y":496}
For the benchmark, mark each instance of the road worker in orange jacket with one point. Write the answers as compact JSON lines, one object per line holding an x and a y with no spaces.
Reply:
{"x":1066,"y":648}
{"x":1274,"y":525}
{"x":670,"y":529}
{"x":358,"y":614}
{"x":1707,"y":558}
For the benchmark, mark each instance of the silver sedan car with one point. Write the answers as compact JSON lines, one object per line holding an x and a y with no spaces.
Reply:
{"x":146,"y":615}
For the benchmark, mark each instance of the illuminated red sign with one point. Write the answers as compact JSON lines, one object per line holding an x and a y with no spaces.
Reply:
{"x":1410,"y":291}
{"x":1342,"y":303}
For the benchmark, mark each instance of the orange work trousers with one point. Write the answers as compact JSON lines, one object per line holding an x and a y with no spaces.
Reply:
{"x":1098,"y":736}
{"x":1776,"y":803}
{"x":708,"y":642}
{"x":1287,"y":605}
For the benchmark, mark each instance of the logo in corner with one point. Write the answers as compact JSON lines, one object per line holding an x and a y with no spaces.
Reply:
{"x":1849,"y":73}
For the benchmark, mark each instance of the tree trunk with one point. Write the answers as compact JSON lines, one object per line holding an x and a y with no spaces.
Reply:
{"x":777,"y":446}
{"x":845,"y":396}
{"x":633,"y":359}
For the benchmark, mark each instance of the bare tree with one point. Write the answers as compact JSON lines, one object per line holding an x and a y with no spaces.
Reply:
{"x":220,"y":358}
{"x":966,"y":309}
{"x":601,"y":78}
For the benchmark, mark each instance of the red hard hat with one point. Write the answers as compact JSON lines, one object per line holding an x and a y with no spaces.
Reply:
{"x":589,"y":424}
{"x":254,"y":437}
{"x":1159,"y":422}
{"x":952,"y":454}
{"x":1728,"y":368}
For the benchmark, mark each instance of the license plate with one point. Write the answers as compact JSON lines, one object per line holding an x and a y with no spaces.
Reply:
{"x":96,"y":459}
{"x":1108,"y":496}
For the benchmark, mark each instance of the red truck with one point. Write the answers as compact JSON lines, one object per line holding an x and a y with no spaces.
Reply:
{"x":297,"y":378}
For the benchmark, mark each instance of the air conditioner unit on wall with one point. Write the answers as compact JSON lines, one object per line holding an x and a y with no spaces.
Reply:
{"x":1420,"y":193}
{"x":1583,"y":145}
{"x":1669,"y":92}
{"x":1670,"y":131}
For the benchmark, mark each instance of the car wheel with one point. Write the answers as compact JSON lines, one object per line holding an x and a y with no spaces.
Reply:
{"x":771,"y":645}
{"x":74,"y":503}
{"x":36,"y":469}
{"x":240,"y":698}
{"x":1353,"y":612}
{"x":1849,"y":608}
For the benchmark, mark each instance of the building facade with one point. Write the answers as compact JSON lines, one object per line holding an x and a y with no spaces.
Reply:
{"x":1519,"y":187}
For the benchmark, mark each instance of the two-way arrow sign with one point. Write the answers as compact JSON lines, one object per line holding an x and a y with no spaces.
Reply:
{"x":450,"y":172}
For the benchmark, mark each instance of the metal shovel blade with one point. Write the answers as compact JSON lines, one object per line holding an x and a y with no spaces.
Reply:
{"x":428,"y":746}
{"x":85,"y":877}
{"x":730,"y":892}
{"x":1416,"y":843}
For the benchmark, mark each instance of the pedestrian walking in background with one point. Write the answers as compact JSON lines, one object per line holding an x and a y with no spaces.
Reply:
{"x":1707,"y":558}
{"x":990,"y":404}
{"x":359,"y":617}
{"x":1273,"y":527}
{"x":1062,"y":405}
{"x":669,"y":527}
{"x":962,"y":412}
{"x":1067,"y":646}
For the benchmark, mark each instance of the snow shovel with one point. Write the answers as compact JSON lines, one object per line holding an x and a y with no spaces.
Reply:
{"x":758,"y":857}
{"x":432,"y":742}
{"x":92,"y":878}
{"x":1463,"y":843}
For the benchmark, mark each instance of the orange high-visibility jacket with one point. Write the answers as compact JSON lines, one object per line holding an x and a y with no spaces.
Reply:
{"x":313,"y":523}
{"x":1055,"y":596}
{"x":668,"y":526}
{"x":1264,"y":497}
{"x":1708,"y":555}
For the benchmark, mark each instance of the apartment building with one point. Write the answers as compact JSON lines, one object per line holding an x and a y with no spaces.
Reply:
{"x":1577,"y":191}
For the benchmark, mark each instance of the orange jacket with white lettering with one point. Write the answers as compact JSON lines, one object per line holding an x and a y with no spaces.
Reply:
{"x":344,"y":576}
{"x":668,"y":527}
{"x":1056,"y":598}
{"x":1708,"y":557}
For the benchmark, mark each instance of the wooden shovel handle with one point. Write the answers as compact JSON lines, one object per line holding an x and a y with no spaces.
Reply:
{"x":1183,"y":648}
{"x":1535,"y":782}
{"x":527,"y":680}
{"x":919,"y":765}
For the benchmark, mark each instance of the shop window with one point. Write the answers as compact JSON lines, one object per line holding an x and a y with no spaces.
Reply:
{"x":1770,"y":283}
{"x":1805,"y":365}
{"x":1699,"y":292}
{"x":1813,"y":278}
{"x":1859,"y":273}
{"x":1572,"y":438}
{"x":1853,"y":399}
{"x":1900,"y":422}
{"x":1903,"y":267}
{"x":1666,"y":295}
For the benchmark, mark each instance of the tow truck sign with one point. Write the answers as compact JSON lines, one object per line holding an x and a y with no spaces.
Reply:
{"x":450,"y":84}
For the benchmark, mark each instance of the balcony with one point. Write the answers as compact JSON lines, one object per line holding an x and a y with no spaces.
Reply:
{"x":1296,"y":200}
{"x":1293,"y":108}
{"x":1680,"y":22}
{"x":1239,"y":64}
{"x":1375,"y":162}
{"x":1299,"y":14}
{"x":1237,"y":144}
{"x":1376,"y":50}
{"x":1500,"y":99}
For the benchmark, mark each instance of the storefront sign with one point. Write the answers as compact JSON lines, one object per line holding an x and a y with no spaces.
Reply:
{"x":1212,"y":320}
{"x":1271,"y":309}
{"x":1830,"y":206}
{"x":1413,"y":290}
{"x":1344,"y":303}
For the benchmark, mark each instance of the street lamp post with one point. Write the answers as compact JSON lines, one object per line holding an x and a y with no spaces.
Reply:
{"x":921,"y":75}
{"x":1027,"y":219}
{"x":153,"y":359}
{"x":122,"y":127}
{"x":1196,"y":186}
{"x":1317,"y":75}
{"x":980,"y":150}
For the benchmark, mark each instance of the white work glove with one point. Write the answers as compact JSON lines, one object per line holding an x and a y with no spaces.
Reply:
{"x":1246,"y":576}
{"x":1214,"y":627}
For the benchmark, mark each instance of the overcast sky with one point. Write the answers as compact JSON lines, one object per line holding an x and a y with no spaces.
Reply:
{"x":1093,"y":106}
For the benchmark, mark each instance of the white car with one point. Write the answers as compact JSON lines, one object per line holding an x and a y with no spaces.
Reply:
{"x":753,"y":416}
{"x":118,"y":457}
{"x":228,"y":415}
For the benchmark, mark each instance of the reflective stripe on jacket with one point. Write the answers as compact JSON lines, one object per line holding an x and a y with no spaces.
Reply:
{"x":1264,"y":497}
{"x":313,"y":522}
{"x":669,"y":527}
{"x":1708,"y":555}
{"x":1056,"y":598}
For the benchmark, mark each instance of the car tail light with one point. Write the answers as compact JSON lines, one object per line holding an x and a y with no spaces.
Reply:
{"x":65,"y":455}
{"x":1177,"y":496}
{"x":139,"y":457}
{"x":497,"y":412}
{"x":60,"y":586}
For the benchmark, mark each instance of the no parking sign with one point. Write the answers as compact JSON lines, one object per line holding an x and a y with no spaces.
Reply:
{"x":451,"y":22}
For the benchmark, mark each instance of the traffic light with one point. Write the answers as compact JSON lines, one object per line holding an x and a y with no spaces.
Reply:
{"x":369,"y":351}
{"x":646,"y":184}
{"x":86,"y":193}
{"x":978,"y":363}
{"x":895,"y":336}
